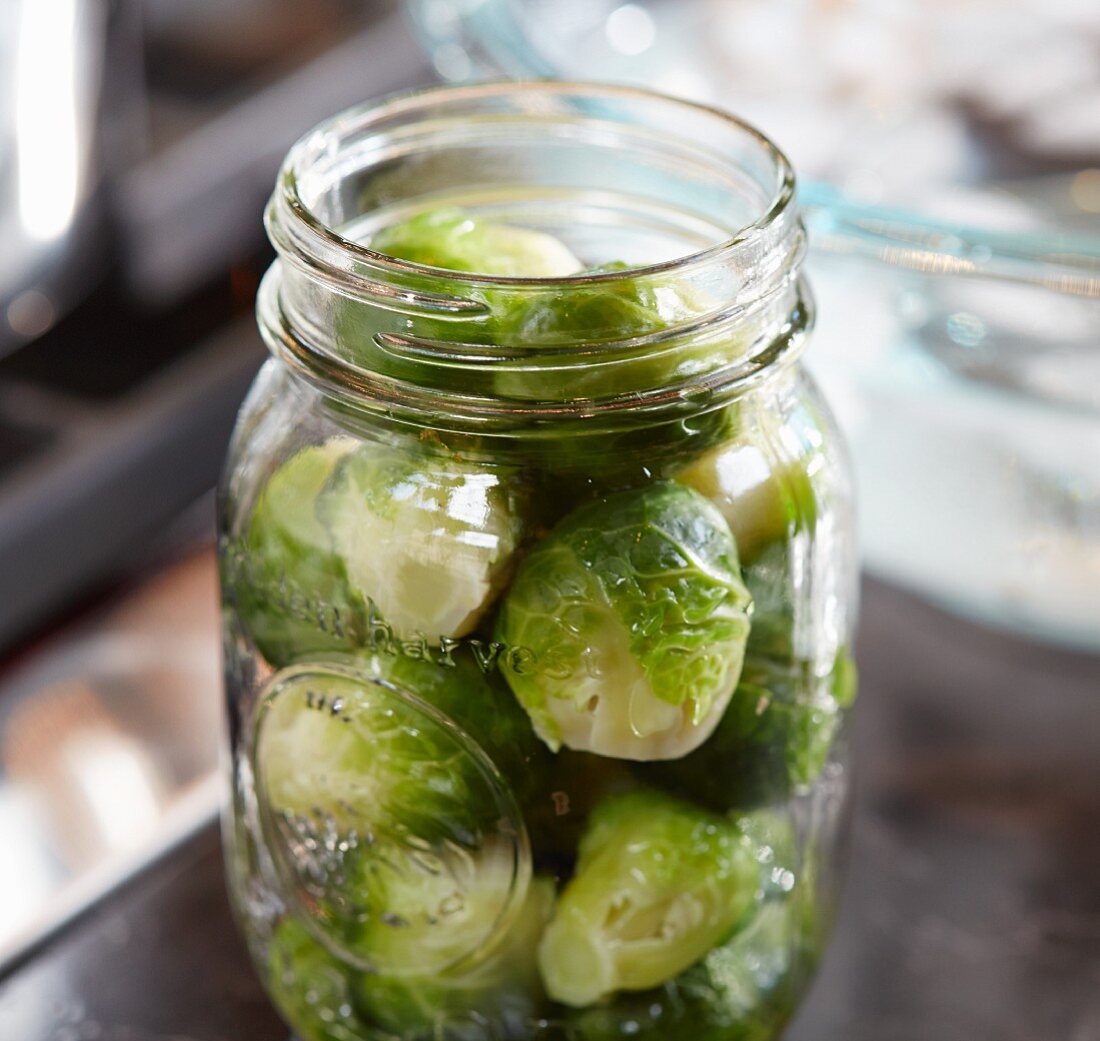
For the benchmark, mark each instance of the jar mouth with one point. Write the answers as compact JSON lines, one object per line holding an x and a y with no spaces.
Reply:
{"x":329,"y":136}
{"x":687,"y":214}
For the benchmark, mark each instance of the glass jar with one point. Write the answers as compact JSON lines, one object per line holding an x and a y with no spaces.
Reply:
{"x":538,"y":584}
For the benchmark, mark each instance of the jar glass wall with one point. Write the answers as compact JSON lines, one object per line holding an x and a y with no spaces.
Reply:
{"x":538,"y":578}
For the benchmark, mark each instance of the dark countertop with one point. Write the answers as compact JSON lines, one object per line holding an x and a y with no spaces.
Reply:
{"x":972,"y":908}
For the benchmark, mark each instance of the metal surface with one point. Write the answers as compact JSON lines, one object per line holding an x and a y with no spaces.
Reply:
{"x":196,"y":202}
{"x":109,"y":738}
{"x":115,"y":473}
{"x":61,"y":62}
{"x":116,"y":415}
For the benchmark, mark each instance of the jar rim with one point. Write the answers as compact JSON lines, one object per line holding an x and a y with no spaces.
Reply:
{"x":749,"y":311}
{"x":404,"y":103}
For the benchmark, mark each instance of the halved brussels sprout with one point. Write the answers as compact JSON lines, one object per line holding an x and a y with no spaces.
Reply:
{"x":496,"y":998}
{"x":593,"y":312}
{"x":454,"y":240}
{"x":289,"y":585}
{"x":746,"y":987}
{"x":636,"y":618}
{"x":751,"y":983}
{"x":658,"y":884}
{"x":481,"y":705}
{"x":309,"y":761}
{"x":325,"y":999}
{"x":458,"y":241}
{"x":762,"y":503}
{"x":585,"y":313}
{"x":585,"y":463}
{"x":744,"y":990}
{"x":436,"y":909}
{"x":773,"y":740}
{"x":391,"y":830}
{"x":426,"y":539}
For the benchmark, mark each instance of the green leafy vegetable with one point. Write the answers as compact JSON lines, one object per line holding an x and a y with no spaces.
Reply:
{"x":745,"y":987}
{"x":390,"y":826}
{"x":289,"y":585}
{"x":454,"y":240}
{"x":496,"y":998}
{"x":457,"y":241}
{"x":325,"y":999}
{"x":658,"y":884}
{"x":585,"y":463}
{"x":434,"y":910}
{"x":630,"y":330}
{"x":425,"y":539}
{"x":772,"y":742}
{"x":582,"y":314}
{"x":762,"y":503}
{"x":776,"y":609}
{"x":338,"y":742}
{"x":636,"y":618}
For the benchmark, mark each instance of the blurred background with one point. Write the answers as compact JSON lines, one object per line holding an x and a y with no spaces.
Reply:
{"x":950,"y":157}
{"x":139,"y":140}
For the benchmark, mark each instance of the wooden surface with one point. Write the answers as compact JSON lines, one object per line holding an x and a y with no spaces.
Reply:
{"x":972,"y":909}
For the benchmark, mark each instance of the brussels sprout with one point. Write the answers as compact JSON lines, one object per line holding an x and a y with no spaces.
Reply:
{"x":336,"y":743}
{"x":762,"y":504}
{"x":746,"y":987}
{"x":289,"y":586}
{"x":496,"y":998}
{"x":479,"y":703}
{"x":773,"y":740}
{"x":326,"y":1000}
{"x":597,"y":311}
{"x":744,"y":990}
{"x":774,"y":607}
{"x":388,"y":824}
{"x":586,"y":463}
{"x":636,"y":618}
{"x":751,"y":982}
{"x":453,"y":240}
{"x":425,"y":539}
{"x":658,"y":883}
{"x":587,"y":313}
{"x":308,"y":761}
{"x":458,"y":241}
{"x":581,"y":316}
{"x":435,"y":910}
{"x":608,"y":314}
{"x":310,"y":987}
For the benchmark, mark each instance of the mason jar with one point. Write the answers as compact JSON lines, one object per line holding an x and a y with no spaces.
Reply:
{"x":538,"y":575}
